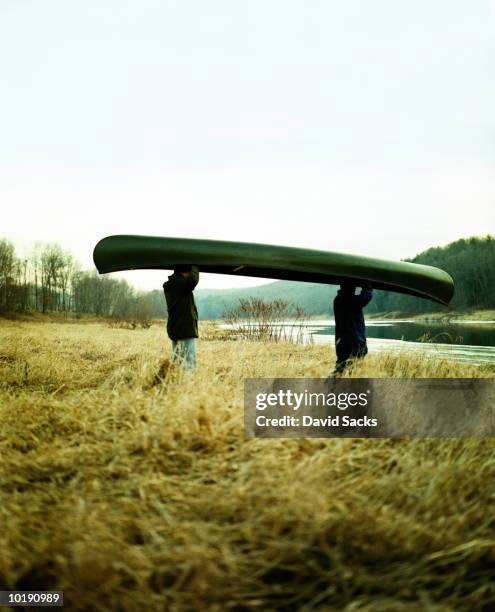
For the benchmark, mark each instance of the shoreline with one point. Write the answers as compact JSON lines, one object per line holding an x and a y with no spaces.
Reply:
{"x":467,"y":316}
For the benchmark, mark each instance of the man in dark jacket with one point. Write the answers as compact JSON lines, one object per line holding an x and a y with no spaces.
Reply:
{"x":350,"y":330}
{"x":182,"y":323}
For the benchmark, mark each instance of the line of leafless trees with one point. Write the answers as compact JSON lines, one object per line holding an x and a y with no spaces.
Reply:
{"x":50,"y":279}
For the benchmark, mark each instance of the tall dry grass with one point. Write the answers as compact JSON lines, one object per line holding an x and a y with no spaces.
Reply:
{"x":131,"y":486}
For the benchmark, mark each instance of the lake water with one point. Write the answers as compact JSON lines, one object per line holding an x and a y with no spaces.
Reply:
{"x":468,"y":341}
{"x":475,"y":333}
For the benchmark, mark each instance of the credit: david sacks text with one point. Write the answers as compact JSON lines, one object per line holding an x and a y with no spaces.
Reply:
{"x":309,"y":421}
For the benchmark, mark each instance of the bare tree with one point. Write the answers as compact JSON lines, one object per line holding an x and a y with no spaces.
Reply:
{"x":7,"y":261}
{"x":65,"y":273}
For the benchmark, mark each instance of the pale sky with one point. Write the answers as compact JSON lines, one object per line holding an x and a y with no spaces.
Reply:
{"x":364,"y":126}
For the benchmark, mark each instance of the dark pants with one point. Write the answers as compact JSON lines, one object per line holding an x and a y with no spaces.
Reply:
{"x":346,"y":353}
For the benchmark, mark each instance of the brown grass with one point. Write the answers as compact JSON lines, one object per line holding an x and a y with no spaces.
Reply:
{"x":130,"y":485}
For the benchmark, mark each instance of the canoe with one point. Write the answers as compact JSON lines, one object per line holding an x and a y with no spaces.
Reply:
{"x":128,"y":252}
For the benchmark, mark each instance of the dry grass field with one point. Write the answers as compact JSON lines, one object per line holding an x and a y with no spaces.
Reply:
{"x":131,"y":486}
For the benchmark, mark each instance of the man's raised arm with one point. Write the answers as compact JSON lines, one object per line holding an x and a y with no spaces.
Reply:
{"x":187,"y":278}
{"x":365,"y":296}
{"x":193,"y":276}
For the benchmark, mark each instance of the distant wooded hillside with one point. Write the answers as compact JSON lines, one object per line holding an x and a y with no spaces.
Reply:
{"x":470,"y":262}
{"x":313,"y":298}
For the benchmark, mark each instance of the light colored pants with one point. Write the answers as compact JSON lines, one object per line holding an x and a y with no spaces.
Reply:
{"x":184,"y":352}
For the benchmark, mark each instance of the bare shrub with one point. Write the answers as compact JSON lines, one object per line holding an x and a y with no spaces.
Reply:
{"x":142,"y":314}
{"x":266,"y":320}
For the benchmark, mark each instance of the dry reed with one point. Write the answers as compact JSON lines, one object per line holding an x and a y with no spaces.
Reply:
{"x":130,"y":485}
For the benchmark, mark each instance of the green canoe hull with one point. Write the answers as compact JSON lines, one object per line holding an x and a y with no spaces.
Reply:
{"x":127,"y":252}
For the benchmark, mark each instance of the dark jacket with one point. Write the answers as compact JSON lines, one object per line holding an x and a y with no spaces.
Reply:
{"x":350,"y":331}
{"x":182,"y":320}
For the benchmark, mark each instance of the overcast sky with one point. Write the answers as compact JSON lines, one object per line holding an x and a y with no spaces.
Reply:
{"x":364,"y":126}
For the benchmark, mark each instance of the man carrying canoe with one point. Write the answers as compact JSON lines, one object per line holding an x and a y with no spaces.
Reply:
{"x":350,"y":329}
{"x":182,"y":322}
